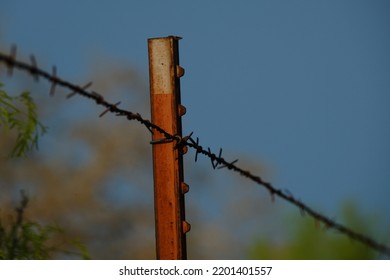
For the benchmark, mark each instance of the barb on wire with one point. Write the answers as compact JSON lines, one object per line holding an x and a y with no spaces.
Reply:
{"x":196,"y":144}
{"x":11,"y":62}
{"x":53,"y":82}
{"x":181,"y":141}
{"x":35,"y":65}
{"x":223,"y":166}
{"x":13,"y":57}
{"x":73,"y":93}
{"x":214,"y":163}
{"x":112,"y":108}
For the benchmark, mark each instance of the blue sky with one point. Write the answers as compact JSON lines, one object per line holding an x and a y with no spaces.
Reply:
{"x":301,"y":86}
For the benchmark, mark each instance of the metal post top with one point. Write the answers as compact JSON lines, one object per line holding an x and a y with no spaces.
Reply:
{"x":163,"y":65}
{"x":177,"y":38}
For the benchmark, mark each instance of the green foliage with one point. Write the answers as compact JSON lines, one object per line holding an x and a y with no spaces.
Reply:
{"x":308,"y":241}
{"x":25,"y":240}
{"x":24,"y":122}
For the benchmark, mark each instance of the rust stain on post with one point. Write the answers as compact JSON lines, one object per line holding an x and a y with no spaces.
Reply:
{"x":166,"y":110}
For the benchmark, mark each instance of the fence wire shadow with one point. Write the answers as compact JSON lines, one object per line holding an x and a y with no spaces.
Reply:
{"x":217,"y":161}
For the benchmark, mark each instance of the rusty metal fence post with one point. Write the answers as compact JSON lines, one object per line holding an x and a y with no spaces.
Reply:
{"x":166,"y":110}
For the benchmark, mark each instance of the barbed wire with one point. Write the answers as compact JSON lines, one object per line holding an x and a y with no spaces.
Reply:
{"x":217,"y":161}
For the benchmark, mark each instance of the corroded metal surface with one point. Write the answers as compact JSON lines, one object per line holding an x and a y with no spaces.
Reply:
{"x":167,"y":155}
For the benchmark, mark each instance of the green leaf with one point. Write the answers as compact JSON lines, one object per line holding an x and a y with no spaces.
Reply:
{"x":27,"y":240}
{"x":24,"y":122}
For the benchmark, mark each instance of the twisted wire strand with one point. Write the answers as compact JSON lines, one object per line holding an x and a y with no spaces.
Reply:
{"x":216,"y":160}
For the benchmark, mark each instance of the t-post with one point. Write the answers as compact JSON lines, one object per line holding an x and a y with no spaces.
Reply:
{"x":166,"y":110}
